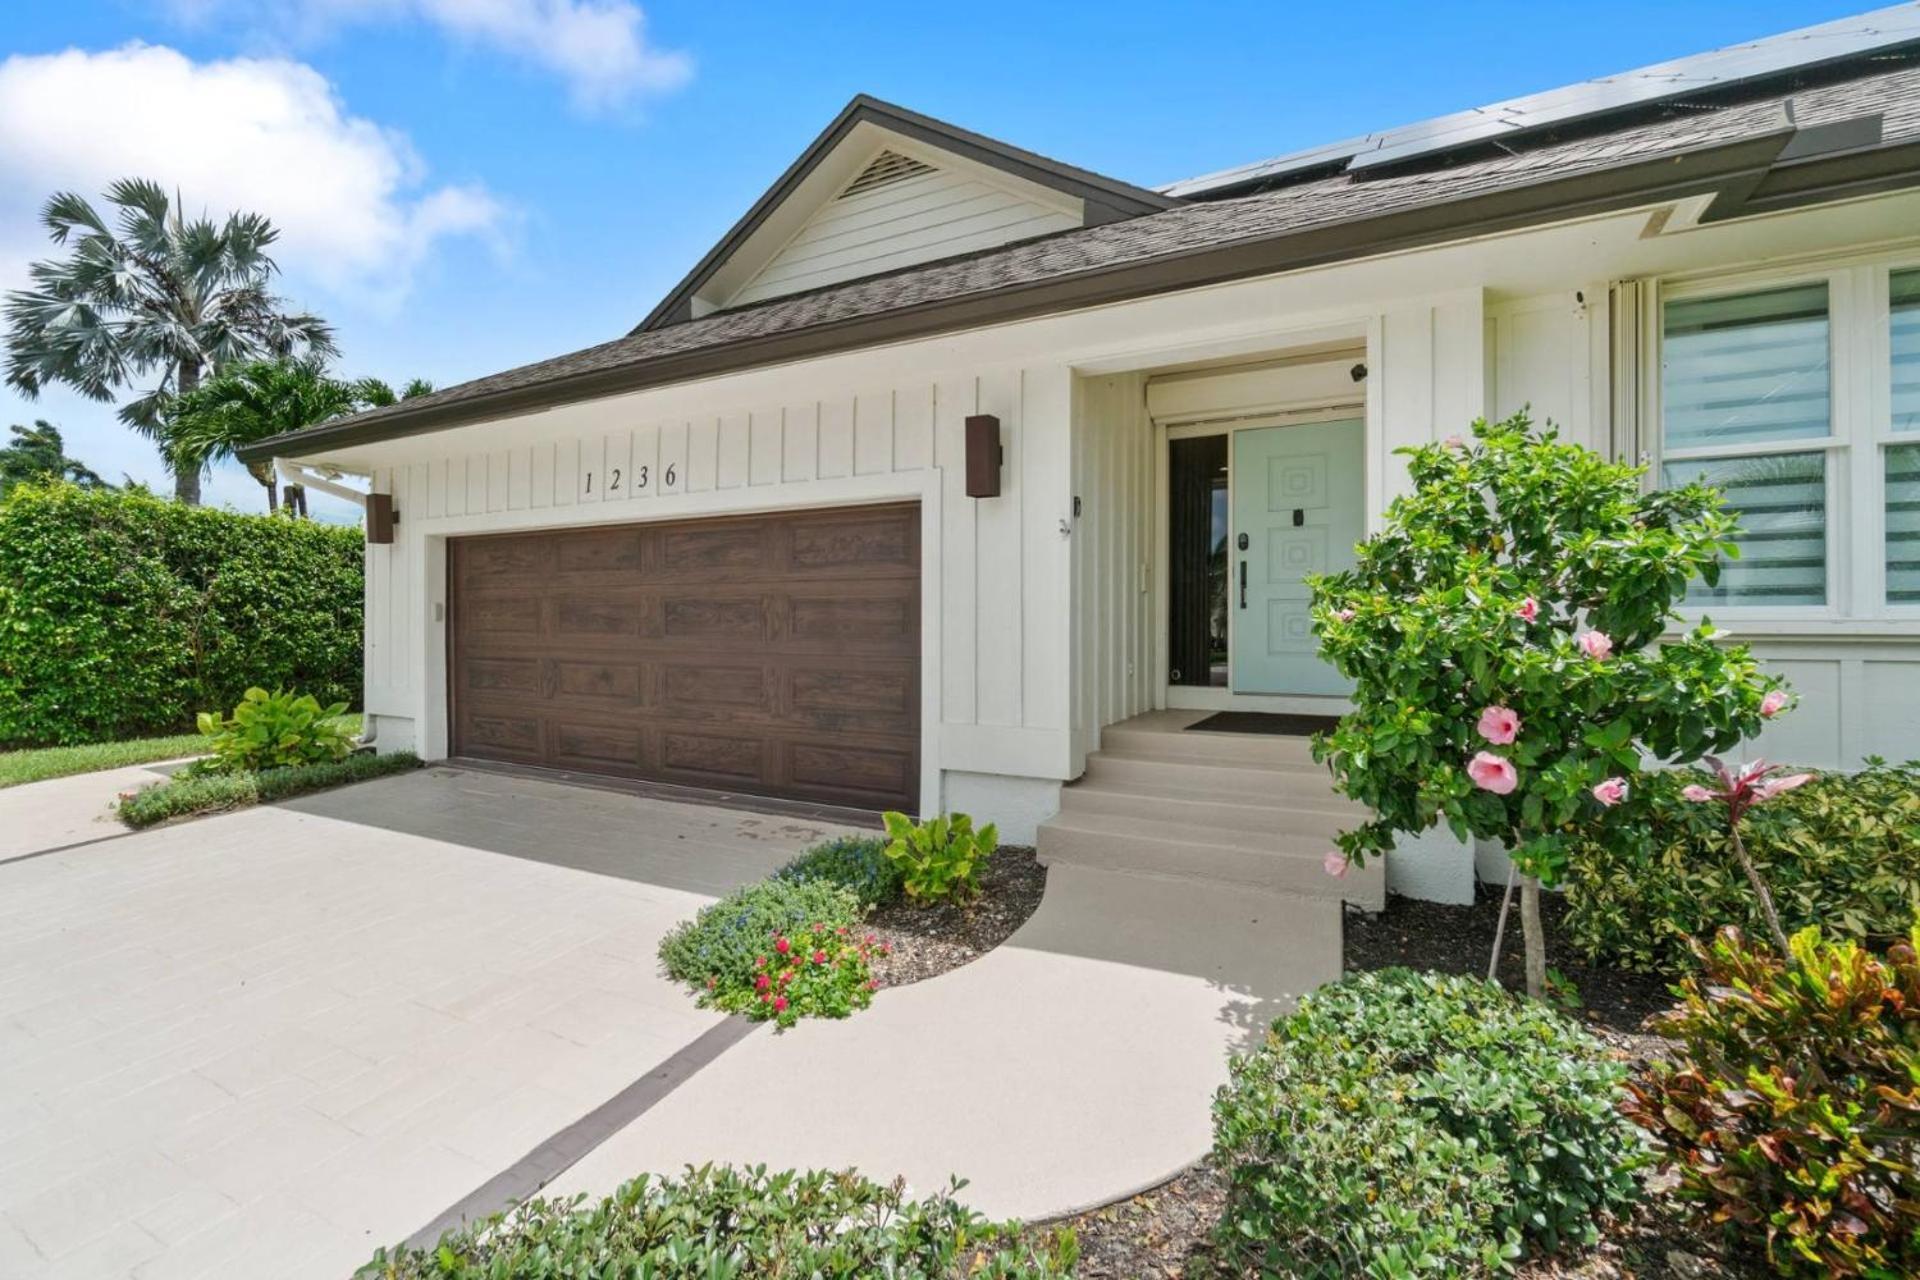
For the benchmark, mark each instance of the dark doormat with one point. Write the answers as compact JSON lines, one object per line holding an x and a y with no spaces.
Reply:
{"x":1264,"y":722}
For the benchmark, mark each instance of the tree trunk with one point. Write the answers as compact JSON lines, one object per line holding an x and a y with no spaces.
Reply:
{"x":186,"y":480}
{"x":1767,"y":912}
{"x":1536,"y":937}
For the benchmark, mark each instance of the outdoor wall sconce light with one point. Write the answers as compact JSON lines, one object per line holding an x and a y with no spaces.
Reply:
{"x":983,"y":456}
{"x":381,"y":517}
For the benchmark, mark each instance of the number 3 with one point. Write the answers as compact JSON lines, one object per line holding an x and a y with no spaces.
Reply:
{"x":641,"y":482}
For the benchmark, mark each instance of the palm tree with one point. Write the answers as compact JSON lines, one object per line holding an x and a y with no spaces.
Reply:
{"x":249,"y":402}
{"x":153,"y":292}
{"x":37,"y":454}
{"x":376,"y":394}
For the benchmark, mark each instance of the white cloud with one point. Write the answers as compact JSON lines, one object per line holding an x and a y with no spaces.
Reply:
{"x":599,"y":47}
{"x":265,"y":135}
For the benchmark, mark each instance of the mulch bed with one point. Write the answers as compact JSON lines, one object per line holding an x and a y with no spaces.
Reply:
{"x":1162,"y":1234}
{"x":926,"y":941}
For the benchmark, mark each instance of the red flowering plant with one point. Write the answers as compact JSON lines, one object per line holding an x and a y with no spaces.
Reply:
{"x":820,"y":972}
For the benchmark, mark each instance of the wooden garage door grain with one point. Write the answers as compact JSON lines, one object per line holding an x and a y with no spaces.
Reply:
{"x":778,"y":655}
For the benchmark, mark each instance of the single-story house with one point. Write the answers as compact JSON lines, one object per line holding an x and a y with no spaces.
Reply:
{"x":955,"y":477}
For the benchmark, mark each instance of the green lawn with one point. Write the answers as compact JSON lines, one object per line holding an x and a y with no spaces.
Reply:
{"x":41,"y":763}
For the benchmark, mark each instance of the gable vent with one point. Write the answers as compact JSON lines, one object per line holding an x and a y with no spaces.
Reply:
{"x":886,"y":169}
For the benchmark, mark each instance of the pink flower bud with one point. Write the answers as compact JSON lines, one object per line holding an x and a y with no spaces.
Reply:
{"x":1336,"y":865}
{"x":1344,"y":615}
{"x":1611,"y":791}
{"x":1774,"y":703}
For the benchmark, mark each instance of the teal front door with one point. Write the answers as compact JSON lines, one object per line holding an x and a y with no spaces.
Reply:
{"x":1298,"y":508}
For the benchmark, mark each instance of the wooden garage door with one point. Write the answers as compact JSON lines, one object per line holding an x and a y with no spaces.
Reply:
{"x":778,"y":655}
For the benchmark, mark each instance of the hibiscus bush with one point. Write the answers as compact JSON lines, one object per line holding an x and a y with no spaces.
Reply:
{"x":1504,"y":635}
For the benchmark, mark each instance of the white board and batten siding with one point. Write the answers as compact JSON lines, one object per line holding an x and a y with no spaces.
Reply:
{"x":996,"y":569}
{"x":917,"y":213}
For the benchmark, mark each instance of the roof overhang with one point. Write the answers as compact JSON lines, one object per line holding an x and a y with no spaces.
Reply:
{"x":842,"y":149}
{"x":1762,"y":173}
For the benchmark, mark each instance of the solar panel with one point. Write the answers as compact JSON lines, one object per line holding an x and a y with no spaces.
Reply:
{"x":1516,"y":117}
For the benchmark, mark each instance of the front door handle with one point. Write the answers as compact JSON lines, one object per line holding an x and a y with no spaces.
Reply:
{"x":1243,"y":584}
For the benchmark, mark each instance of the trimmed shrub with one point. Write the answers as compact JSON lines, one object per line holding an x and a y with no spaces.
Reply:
{"x":1842,"y":852}
{"x":122,"y":614}
{"x":1794,"y":1111}
{"x":739,"y":1224}
{"x":858,"y":864}
{"x":780,"y":948}
{"x":190,"y":794}
{"x":1405,"y":1124}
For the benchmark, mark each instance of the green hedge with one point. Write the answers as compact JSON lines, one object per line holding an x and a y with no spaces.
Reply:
{"x":1842,"y":852}
{"x":122,"y":614}
{"x":190,"y":794}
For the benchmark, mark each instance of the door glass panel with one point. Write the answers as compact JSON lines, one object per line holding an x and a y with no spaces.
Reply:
{"x":1746,"y":369}
{"x":1197,"y":585}
{"x":1781,"y":503}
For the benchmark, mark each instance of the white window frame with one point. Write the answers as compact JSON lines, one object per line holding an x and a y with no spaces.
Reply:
{"x":1860,"y":407}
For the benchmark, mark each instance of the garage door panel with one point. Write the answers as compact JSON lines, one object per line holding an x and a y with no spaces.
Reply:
{"x":694,"y":616}
{"x":616,"y":685}
{"x":691,"y":754}
{"x":769,"y":654}
{"x":852,"y":774}
{"x":693,"y":690}
{"x":621,"y":550}
{"x":518,"y":735}
{"x":732,"y":549}
{"x":872,"y":546}
{"x":586,"y":745}
{"x":580,"y":615}
{"x":502,"y":675}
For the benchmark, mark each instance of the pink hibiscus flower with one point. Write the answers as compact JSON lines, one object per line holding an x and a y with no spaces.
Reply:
{"x":1493,"y":773}
{"x":1597,"y":645}
{"x":1774,"y":703}
{"x":1499,"y":725}
{"x":1610,"y":791}
{"x":1336,"y":864}
{"x":1529,"y":609}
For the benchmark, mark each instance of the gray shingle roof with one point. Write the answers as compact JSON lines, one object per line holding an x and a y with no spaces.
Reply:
{"x":1889,"y":88}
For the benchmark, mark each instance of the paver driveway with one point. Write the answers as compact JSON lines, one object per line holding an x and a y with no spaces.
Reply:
{"x":266,"y":1042}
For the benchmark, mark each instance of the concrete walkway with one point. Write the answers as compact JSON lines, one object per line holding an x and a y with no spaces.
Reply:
{"x":1074,"y":1065}
{"x":37,"y":816}
{"x":266,"y":1042}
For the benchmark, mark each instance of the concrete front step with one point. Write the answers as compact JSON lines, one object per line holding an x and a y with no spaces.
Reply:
{"x":1322,"y":816}
{"x":1235,"y":749}
{"x":1282,"y":862}
{"x":1251,"y":784}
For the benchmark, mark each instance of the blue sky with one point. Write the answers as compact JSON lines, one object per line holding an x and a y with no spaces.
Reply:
{"x":470,"y":185}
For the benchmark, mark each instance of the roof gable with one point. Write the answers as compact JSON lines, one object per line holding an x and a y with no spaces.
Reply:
{"x":883,"y":188}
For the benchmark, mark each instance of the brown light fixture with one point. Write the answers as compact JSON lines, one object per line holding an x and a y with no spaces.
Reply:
{"x":381,"y":517}
{"x":984,"y":456}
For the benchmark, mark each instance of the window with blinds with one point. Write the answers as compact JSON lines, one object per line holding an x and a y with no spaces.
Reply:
{"x":1903,"y":460}
{"x":1739,"y":374}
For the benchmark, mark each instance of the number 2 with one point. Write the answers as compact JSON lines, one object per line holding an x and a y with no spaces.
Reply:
{"x":616,"y":480}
